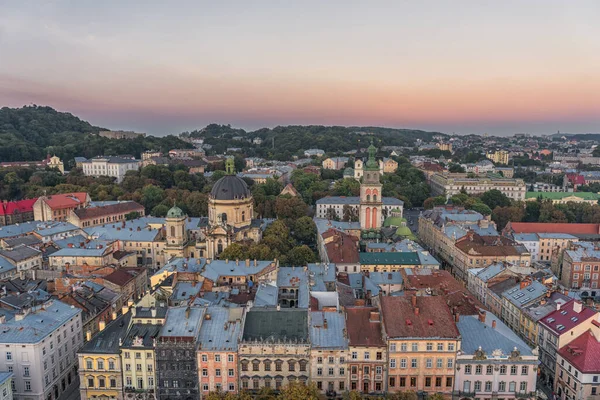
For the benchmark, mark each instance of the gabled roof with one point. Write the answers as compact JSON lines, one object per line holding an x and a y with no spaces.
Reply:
{"x":67,"y":200}
{"x":95,"y":212}
{"x":583,"y":353}
{"x":362,"y":329}
{"x":569,"y":316}
{"x":20,"y":206}
{"x":543,"y":227}
{"x":433,"y":320}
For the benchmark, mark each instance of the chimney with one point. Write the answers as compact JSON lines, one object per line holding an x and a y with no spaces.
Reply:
{"x":482,"y":316}
{"x":88,"y":336}
{"x":187,"y":313}
{"x":237,"y":261}
{"x":416,"y":310}
{"x":125,"y":309}
{"x":414,"y":300}
{"x":525,"y":283}
{"x":557,"y":306}
{"x":374,"y":316}
{"x":247,"y":262}
{"x":457,"y":317}
{"x":577,"y":307}
{"x":153,"y":312}
{"x":227,"y":261}
{"x":114,"y":315}
{"x":325,"y":323}
{"x":255,"y":262}
{"x":494,"y":324}
{"x":101,"y":325}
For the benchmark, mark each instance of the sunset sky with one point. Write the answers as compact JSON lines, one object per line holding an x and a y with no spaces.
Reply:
{"x":166,"y":66}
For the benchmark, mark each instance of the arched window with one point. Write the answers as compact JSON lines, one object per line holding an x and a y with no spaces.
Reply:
{"x":220,"y":247}
{"x":172,"y":231}
{"x":243,"y":216}
{"x":367,"y":218}
{"x":374,"y":223}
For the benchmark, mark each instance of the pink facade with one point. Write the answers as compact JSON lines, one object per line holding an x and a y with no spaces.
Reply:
{"x":217,"y":370}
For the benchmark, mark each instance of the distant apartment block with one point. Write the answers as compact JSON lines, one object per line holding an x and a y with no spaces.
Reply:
{"x":58,"y":207}
{"x":115,"y":167}
{"x":93,"y":216}
{"x":498,"y":157}
{"x":451,"y":184}
{"x":120,"y":134}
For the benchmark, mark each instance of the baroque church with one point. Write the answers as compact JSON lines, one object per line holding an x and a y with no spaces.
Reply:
{"x":230,"y":219}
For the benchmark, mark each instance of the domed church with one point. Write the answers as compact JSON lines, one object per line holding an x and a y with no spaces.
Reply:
{"x":230,"y":219}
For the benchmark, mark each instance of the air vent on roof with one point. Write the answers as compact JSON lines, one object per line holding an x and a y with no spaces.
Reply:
{"x":550,"y":320}
{"x":560,"y":327}
{"x":574,"y":319}
{"x":564,"y":312}
{"x":530,"y":289}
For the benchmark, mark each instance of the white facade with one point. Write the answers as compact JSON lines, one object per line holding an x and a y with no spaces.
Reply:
{"x":337,"y":204}
{"x":6,"y":392}
{"x":110,"y":166}
{"x":40,"y":348}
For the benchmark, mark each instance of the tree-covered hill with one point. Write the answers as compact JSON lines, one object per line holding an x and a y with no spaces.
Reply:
{"x":31,"y":132}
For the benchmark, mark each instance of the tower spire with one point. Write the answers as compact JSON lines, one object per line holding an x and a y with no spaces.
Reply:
{"x":230,"y":166}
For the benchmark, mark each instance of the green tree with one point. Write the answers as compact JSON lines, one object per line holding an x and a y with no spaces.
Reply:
{"x":299,"y":391}
{"x":300,"y":256}
{"x":235,"y":251}
{"x":289,"y":207}
{"x":431,"y":202}
{"x":305,"y":231}
{"x":152,"y":196}
{"x":495,"y":198}
{"x":481,"y":208}
{"x":502,"y":215}
{"x":159,"y":211}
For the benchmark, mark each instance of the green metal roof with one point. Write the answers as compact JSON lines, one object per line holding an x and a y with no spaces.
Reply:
{"x":562,"y":195}
{"x":390,"y":258}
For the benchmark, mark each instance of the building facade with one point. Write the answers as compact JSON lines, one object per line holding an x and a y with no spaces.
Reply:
{"x":115,"y":167}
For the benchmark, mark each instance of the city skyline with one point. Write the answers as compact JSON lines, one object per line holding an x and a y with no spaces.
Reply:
{"x":475,"y":67}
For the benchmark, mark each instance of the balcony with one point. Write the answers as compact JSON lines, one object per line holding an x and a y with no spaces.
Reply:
{"x":524,"y":395}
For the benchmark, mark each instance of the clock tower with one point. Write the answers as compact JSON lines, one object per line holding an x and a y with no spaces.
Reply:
{"x":370,"y":193}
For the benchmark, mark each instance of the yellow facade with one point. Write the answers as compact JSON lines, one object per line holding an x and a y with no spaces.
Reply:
{"x":498,"y":157}
{"x":100,"y":376}
{"x":422,"y":365}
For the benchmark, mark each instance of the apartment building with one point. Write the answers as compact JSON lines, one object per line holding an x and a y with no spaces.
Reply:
{"x":100,"y":368}
{"x":516,"y":298}
{"x":479,"y":251}
{"x":108,"y":214}
{"x":335,"y":163}
{"x":367,"y":361}
{"x":329,"y":351}
{"x":422,"y":341}
{"x":449,"y":184}
{"x":58,"y":207}
{"x":578,"y":368}
{"x":115,"y":167}
{"x":493,"y":362}
{"x":498,"y":156}
{"x":273,"y":341}
{"x":478,"y":279}
{"x":580,"y":267}
{"x":558,"y":329}
{"x":39,"y":347}
{"x":329,"y":206}
{"x":176,"y":354}
{"x":217,"y":351}
{"x":16,"y":212}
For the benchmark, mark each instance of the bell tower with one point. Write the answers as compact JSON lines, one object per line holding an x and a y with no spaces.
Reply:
{"x":370,"y":193}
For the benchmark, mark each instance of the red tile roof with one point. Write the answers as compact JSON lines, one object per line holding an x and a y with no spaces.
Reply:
{"x":583,"y":353}
{"x":67,"y":200}
{"x":21,"y":206}
{"x":119,"y":208}
{"x":576,"y":179}
{"x":542,"y":227}
{"x":488,"y":246}
{"x":567,"y":317}
{"x":343,"y":248}
{"x":119,"y":277}
{"x":442,"y":283}
{"x":433,"y":320}
{"x":362,"y":331}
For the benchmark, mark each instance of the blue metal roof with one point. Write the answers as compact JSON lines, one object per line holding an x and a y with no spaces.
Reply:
{"x":477,"y":334}
{"x":38,"y":324}
{"x":222,"y":330}
{"x":330,"y":337}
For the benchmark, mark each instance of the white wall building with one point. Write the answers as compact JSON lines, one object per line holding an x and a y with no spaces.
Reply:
{"x":39,"y":346}
{"x":337,"y":204}
{"x":115,"y":167}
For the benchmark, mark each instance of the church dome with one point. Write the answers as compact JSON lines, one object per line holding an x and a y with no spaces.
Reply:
{"x":230,"y":187}
{"x":175,"y":212}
